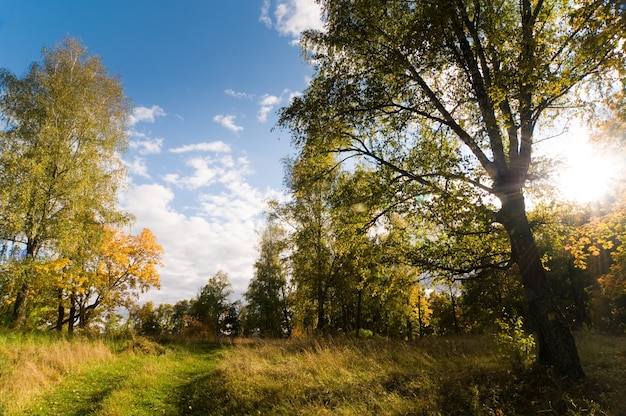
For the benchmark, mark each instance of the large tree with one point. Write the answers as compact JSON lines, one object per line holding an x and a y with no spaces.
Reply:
{"x":449,"y":95}
{"x":64,"y":127}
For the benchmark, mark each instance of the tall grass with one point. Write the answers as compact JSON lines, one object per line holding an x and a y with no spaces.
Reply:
{"x":32,"y":363}
{"x":438,"y":376}
{"x":49,"y":375}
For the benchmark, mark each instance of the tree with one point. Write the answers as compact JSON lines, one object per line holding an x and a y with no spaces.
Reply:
{"x":123,"y":267}
{"x":600,"y":244}
{"x":313,"y":263}
{"x":266,"y":308}
{"x":148,"y":320}
{"x":64,"y":127}
{"x":212,"y":306}
{"x":127,"y":267}
{"x":448,"y":95}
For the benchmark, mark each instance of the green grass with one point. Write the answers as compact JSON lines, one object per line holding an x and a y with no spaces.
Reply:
{"x":436,"y":376}
{"x":45,"y":375}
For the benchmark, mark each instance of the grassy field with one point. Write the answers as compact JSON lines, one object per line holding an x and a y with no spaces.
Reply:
{"x":47,"y":375}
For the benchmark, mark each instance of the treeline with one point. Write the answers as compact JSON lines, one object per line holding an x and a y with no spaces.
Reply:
{"x":65,"y":260}
{"x":341,"y":274}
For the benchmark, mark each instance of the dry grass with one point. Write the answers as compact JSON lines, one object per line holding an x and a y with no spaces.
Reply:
{"x":438,"y":376}
{"x":31,"y":364}
{"x":341,"y":376}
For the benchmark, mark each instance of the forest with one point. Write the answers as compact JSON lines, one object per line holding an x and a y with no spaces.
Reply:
{"x":418,"y":213}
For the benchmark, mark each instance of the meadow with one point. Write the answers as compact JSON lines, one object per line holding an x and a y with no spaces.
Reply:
{"x":45,"y":374}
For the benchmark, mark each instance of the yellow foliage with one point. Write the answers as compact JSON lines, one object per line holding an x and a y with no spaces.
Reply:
{"x":608,"y":234}
{"x":114,"y":273}
{"x":129,"y":263}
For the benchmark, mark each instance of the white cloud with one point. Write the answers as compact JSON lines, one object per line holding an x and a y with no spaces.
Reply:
{"x":236,"y":94}
{"x":195,"y":247}
{"x":216,"y":146}
{"x":293,"y":95}
{"x":207,"y":171}
{"x":138,"y":167}
{"x":145,"y":114}
{"x":268,"y":102}
{"x":227,"y":121}
{"x":265,"y":14}
{"x":292,"y":17}
{"x":220,"y":236}
{"x":204,"y":174}
{"x":147,"y":147}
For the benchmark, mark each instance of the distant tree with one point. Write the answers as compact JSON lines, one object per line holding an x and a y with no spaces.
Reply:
{"x":64,"y":126}
{"x":266,"y":298}
{"x":313,"y":263}
{"x":145,"y":320}
{"x":181,"y":313}
{"x":448,"y":96}
{"x":150,"y":320}
{"x":212,"y":306}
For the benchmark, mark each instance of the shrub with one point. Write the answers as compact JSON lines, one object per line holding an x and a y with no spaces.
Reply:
{"x":514,"y":344}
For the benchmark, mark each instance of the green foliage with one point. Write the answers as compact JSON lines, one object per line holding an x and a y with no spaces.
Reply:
{"x":63,"y":130}
{"x":212,"y":307}
{"x":514,"y":344}
{"x":266,"y":310}
{"x":442,"y":100}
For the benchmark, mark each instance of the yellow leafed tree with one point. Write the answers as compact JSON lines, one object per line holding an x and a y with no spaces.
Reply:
{"x":125,"y":266}
{"x":600,"y":246}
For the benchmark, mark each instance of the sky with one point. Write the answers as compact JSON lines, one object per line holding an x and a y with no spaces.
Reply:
{"x":206,"y":79}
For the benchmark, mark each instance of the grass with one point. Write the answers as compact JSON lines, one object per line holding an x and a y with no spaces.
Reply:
{"x":438,"y":376}
{"x":341,"y":376}
{"x":31,"y":362}
{"x":46,"y":375}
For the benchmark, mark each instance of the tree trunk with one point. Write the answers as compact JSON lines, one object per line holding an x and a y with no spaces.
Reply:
{"x":359,"y":312}
{"x":419,"y":314}
{"x":19,"y":308}
{"x":557,"y":347}
{"x":321,"y":315}
{"x":60,"y":313}
{"x":457,"y":330}
{"x":286,"y":312}
{"x":72,"y":315}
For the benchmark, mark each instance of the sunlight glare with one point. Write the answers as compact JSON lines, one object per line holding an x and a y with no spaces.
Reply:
{"x":588,"y":172}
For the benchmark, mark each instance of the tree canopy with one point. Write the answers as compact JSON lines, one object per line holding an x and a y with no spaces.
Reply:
{"x":445,"y":99}
{"x":64,"y":126}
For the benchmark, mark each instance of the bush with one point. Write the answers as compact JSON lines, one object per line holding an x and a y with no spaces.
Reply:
{"x":365,"y":333}
{"x":514,"y":344}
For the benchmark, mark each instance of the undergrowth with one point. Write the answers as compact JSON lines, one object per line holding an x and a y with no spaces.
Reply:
{"x":437,"y":376}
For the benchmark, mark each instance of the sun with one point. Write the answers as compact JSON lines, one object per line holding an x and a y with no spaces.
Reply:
{"x":589,"y":171}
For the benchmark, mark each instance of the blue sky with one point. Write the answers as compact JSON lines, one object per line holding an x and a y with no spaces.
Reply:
{"x":206,"y":79}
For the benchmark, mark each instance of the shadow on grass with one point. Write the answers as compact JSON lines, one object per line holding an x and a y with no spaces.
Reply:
{"x":83,"y":404}
{"x":536,"y":391}
{"x":205,"y":394}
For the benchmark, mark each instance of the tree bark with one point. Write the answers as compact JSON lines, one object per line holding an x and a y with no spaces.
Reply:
{"x":19,"y":308}
{"x":60,"y":313}
{"x":72,"y":315}
{"x":557,"y":346}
